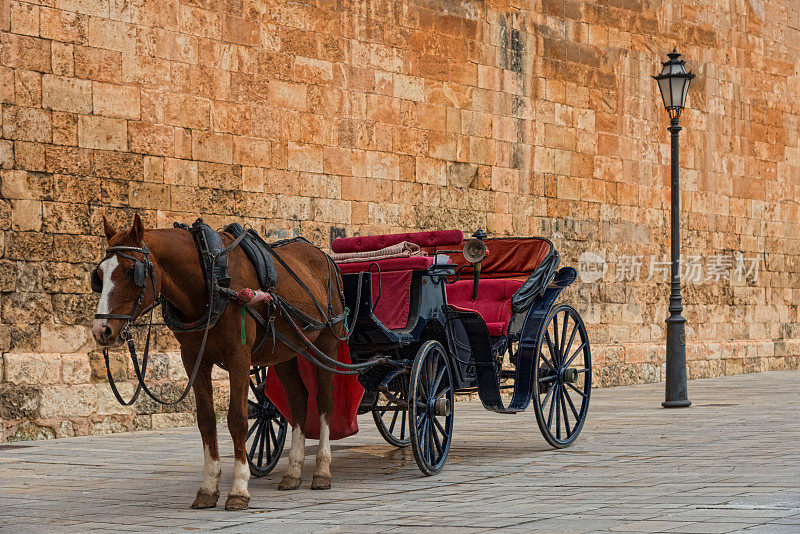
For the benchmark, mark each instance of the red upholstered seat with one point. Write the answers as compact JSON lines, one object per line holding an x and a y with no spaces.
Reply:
{"x":392,"y":264}
{"x":377,"y":242}
{"x":394,"y":289}
{"x":493,"y":303}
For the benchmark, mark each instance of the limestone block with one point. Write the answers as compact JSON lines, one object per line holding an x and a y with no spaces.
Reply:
{"x":75,"y":369}
{"x":68,"y":401}
{"x":63,"y":338}
{"x":103,"y":133}
{"x":62,"y":93}
{"x":116,"y":101}
{"x":26,"y":124}
{"x":107,"y":403}
{"x":26,"y":215}
{"x":27,"y":368}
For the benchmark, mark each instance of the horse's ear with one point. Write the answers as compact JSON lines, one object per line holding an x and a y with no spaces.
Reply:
{"x":108,"y":229}
{"x":137,"y":229}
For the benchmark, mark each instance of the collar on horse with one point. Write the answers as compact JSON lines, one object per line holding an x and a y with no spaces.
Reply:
{"x":215,"y":273}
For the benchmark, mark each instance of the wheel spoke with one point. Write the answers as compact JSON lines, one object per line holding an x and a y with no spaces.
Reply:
{"x":576,"y":390}
{"x":547,"y":397}
{"x":558,"y":414}
{"x":255,"y":441}
{"x":394,"y":420}
{"x":586,"y":370}
{"x":431,"y":451}
{"x":552,"y":406}
{"x":556,"y":343}
{"x":253,"y":388}
{"x":572,"y":405}
{"x":263,"y":438}
{"x":269,"y":443}
{"x":546,"y":361}
{"x":438,"y":380}
{"x":552,"y":350}
{"x":253,"y":428}
{"x":547,"y":379}
{"x":569,"y":345}
{"x":441,"y":428}
{"x":578,"y":350}
{"x":403,"y":427}
{"x":563,"y":335}
{"x":272,"y":435}
{"x":436,"y":441}
{"x":564,"y":410}
{"x":423,"y":437}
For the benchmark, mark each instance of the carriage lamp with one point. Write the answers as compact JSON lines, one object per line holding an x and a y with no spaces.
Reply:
{"x":673,"y":82}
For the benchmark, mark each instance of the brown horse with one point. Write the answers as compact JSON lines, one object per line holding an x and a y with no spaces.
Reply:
{"x":177,"y":277}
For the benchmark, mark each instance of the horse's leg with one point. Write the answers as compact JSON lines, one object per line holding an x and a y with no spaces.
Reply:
{"x":322,"y":476}
{"x":297,"y":395}
{"x":208,"y":493}
{"x":239,"y":373}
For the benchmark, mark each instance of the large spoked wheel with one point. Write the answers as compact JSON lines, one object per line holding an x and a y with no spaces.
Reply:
{"x":563,"y":372}
{"x":267,"y":433}
{"x":431,"y":403}
{"x":391,"y":412}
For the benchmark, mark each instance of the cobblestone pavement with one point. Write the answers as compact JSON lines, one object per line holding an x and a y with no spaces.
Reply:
{"x":731,"y":462}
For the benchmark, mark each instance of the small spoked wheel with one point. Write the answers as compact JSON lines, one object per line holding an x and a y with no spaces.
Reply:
{"x":391,"y":412}
{"x":267,"y":433}
{"x":431,"y":403}
{"x":563,"y":372}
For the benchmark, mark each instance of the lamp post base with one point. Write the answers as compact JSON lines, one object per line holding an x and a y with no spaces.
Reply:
{"x":677,"y":404}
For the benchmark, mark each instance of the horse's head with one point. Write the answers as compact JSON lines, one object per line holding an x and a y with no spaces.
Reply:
{"x":125,"y":281}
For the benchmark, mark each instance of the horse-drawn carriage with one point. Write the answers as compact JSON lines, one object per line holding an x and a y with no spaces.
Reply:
{"x":443,"y":321}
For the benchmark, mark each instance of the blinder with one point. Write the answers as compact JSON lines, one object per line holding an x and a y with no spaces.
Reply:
{"x":139,"y":273}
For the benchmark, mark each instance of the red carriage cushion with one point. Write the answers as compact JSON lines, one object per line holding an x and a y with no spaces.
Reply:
{"x":347,"y":393}
{"x":392,"y":264}
{"x":514,"y":257}
{"x":376,"y":242}
{"x":395,"y":286}
{"x":493,"y":303}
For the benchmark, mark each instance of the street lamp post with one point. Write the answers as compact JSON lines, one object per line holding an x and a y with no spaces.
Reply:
{"x":673,"y":82}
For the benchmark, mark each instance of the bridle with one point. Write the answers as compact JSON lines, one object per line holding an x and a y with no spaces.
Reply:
{"x":142,"y":270}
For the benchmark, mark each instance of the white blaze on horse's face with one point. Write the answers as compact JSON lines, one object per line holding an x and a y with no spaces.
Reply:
{"x":106,"y":268}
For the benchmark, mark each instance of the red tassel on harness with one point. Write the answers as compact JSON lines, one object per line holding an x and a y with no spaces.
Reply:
{"x":250,"y":296}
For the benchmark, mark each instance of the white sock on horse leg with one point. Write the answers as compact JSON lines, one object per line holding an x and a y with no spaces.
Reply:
{"x":211,"y":472}
{"x":241,"y":476}
{"x":297,"y":454}
{"x":324,"y":449}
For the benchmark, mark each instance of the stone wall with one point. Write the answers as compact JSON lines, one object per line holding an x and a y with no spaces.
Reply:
{"x":331,"y":118}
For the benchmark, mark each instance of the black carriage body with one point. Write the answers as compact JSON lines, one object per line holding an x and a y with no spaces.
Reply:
{"x":473,"y":353}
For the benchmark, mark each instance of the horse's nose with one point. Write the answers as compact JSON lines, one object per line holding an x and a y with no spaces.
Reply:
{"x":101,"y":331}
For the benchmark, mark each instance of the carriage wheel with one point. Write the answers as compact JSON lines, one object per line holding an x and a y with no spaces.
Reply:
{"x":267,"y":433}
{"x":431,"y":403}
{"x":391,"y":419}
{"x":563,"y":372}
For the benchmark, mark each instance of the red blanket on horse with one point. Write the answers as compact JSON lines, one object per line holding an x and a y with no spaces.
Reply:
{"x":347,"y":392}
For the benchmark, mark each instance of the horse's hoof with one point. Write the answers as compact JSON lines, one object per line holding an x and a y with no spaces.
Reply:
{"x":289,"y":483}
{"x":237,"y":502}
{"x":321,"y":482}
{"x":205,"y":500}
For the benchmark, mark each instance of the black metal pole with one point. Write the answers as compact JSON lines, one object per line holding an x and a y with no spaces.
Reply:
{"x":675,"y":395}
